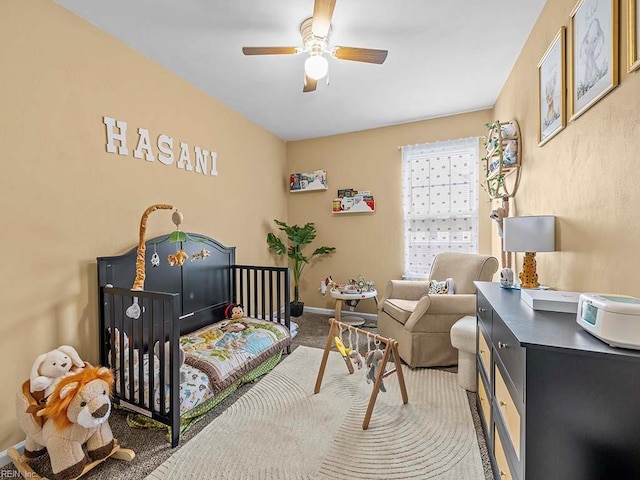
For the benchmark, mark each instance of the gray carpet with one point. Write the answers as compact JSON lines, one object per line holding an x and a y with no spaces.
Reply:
{"x":151,"y":446}
{"x":320,"y":436}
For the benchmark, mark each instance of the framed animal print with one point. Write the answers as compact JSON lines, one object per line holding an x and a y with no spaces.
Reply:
{"x":551,"y":90}
{"x":593,"y":53}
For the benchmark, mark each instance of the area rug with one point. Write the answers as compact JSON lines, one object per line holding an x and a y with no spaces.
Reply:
{"x":281,"y":430}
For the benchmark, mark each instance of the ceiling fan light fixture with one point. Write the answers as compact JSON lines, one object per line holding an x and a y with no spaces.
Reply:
{"x":316,"y":66}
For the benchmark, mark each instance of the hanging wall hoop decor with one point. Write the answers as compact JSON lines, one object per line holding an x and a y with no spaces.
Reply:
{"x":502,"y":160}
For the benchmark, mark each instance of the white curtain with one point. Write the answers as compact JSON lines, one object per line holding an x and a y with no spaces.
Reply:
{"x":440,"y":201}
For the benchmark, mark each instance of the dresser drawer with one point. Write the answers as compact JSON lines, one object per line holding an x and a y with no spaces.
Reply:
{"x":485,"y":405}
{"x":484,"y":311}
{"x":506,"y":405}
{"x":511,"y":354}
{"x":501,"y":459}
{"x":484,"y":352}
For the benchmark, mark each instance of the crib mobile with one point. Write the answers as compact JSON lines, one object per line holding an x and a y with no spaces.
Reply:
{"x":176,"y":259}
{"x":375,"y":359}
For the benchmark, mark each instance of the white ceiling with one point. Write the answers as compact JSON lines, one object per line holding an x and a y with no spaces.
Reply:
{"x":445,"y":56}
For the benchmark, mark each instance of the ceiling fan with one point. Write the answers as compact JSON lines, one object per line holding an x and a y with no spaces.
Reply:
{"x":315,"y":38}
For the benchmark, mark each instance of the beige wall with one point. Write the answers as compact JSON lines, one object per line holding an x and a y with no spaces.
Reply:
{"x":66,"y":201}
{"x":588,"y":175}
{"x":370,"y":244}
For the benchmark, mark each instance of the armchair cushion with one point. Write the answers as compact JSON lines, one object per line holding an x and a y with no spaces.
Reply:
{"x":399,"y":308}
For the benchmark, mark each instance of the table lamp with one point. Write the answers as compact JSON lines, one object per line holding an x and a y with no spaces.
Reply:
{"x":530,"y":235}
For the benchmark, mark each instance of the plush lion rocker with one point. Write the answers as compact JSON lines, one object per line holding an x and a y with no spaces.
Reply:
{"x":75,"y":413}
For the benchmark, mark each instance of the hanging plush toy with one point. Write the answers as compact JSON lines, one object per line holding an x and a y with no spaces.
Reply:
{"x":344,"y":351}
{"x":177,"y":259}
{"x":356,"y":359}
{"x":373,"y":363}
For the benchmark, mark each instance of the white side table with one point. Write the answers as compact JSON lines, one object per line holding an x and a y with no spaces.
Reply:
{"x":345,"y":296}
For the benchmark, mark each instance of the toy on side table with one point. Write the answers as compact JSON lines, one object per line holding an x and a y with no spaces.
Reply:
{"x":75,"y":413}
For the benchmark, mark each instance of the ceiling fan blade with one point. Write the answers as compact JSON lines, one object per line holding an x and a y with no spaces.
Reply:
{"x":368,"y":55}
{"x":322,"y":13}
{"x":310,"y":84}
{"x":270,"y":50}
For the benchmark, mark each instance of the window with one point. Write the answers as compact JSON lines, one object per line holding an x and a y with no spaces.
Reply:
{"x":440,"y":201}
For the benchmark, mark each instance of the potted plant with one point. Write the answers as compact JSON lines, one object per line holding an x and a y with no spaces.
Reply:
{"x":297,"y":237}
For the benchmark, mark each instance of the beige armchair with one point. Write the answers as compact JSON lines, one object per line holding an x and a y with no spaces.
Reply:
{"x":421,"y":323}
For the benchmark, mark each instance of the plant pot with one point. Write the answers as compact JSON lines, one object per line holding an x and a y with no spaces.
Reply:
{"x":296,"y":308}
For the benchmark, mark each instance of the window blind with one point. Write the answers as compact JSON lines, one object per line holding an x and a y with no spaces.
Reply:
{"x":440,"y":201}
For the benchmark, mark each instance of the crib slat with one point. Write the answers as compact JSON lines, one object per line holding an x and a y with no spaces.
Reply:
{"x":255,"y":293}
{"x":140,"y":341}
{"x":262,"y":295}
{"x":174,"y":398}
{"x":162,"y":362}
{"x":130,"y":349}
{"x":152,"y":358}
{"x":278,"y":295}
{"x":240,"y":286}
{"x":271,"y":295}
{"x":121,"y":348}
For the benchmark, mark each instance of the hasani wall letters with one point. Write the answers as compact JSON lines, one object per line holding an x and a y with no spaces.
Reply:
{"x":164,"y":145}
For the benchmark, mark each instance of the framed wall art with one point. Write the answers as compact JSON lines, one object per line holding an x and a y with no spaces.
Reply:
{"x":633,"y":35}
{"x":552,"y":90}
{"x":593,"y":53}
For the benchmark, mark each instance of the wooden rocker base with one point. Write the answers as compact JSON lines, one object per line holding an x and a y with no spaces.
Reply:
{"x":21,"y":462}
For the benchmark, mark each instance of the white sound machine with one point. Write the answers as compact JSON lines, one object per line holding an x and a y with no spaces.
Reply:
{"x":614,"y":319}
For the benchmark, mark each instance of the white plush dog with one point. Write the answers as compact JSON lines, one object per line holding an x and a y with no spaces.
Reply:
{"x":51,"y":366}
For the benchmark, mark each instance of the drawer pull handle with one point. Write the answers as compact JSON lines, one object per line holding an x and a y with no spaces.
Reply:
{"x":502,"y":474}
{"x":481,"y":351}
{"x":502,"y":345}
{"x":481,"y":310}
{"x":503,"y":404}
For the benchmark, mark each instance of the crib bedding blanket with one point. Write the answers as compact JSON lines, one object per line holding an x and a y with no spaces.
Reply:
{"x":227,"y":350}
{"x":195,"y":387}
{"x":216,"y":356}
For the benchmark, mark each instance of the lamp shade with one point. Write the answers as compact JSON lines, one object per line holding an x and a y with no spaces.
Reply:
{"x":530,"y":234}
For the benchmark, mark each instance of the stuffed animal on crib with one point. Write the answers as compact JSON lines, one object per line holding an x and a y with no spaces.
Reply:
{"x":373,"y":363}
{"x":50,"y":367}
{"x":234,"y":311}
{"x":167,"y":364}
{"x":76,"y":413}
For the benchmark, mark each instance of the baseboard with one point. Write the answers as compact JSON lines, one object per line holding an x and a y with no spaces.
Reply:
{"x":345,"y":313}
{"x":4,"y":456}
